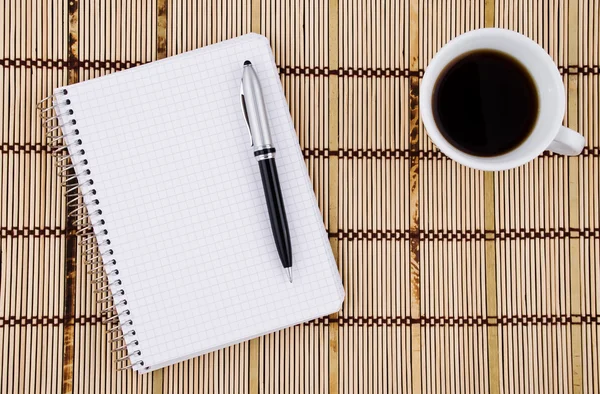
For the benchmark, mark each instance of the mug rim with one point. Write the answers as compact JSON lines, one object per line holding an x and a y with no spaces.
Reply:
{"x":447,"y":54}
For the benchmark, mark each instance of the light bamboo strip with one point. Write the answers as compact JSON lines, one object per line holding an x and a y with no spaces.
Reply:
{"x":534,"y":197}
{"x":30,"y":286}
{"x":451,"y":199}
{"x":332,"y":217}
{"x":574,"y":245}
{"x":589,"y":216}
{"x":363,"y":204}
{"x":490,"y":255}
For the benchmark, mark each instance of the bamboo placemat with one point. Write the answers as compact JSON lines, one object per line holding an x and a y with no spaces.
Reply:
{"x":456,"y":280}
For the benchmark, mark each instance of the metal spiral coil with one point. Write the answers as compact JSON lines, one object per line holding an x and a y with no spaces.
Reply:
{"x":75,"y":197}
{"x":84,"y":208}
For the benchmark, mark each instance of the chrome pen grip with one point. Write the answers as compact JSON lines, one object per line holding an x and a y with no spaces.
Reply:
{"x":264,"y":153}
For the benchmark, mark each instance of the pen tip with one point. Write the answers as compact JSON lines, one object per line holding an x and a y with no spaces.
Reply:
{"x":247,"y":63}
{"x":289,"y":272}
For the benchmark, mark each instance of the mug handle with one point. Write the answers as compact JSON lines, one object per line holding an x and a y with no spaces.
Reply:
{"x":567,"y":142}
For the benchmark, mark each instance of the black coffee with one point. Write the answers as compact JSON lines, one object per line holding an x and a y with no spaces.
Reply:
{"x":485,"y":103}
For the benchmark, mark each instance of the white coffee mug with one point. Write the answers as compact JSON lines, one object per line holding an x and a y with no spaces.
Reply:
{"x":548,"y":132}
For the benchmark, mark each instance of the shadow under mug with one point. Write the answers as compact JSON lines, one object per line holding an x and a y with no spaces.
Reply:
{"x":548,"y":132}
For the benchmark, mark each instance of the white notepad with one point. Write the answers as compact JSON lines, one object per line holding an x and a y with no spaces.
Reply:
{"x":181,"y":197}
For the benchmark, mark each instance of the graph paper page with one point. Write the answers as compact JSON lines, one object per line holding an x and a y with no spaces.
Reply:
{"x":182,"y":200}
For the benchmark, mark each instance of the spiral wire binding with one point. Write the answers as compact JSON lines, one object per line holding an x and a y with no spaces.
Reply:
{"x":84,"y":209}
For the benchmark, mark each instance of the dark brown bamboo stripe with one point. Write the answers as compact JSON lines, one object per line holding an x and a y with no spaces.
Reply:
{"x":32,"y":232}
{"x":350,"y":72}
{"x":71,"y":63}
{"x":5,"y":147}
{"x":459,"y":235}
{"x":368,"y":321}
{"x":321,"y":152}
{"x":381,"y":321}
{"x":575,"y":70}
{"x":47,"y":320}
{"x":406,"y":153}
{"x":423,"y":235}
{"x":284,"y":70}
{"x":468,"y":320}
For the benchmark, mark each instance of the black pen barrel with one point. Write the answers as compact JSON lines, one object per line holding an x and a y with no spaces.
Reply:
{"x":276,"y":208}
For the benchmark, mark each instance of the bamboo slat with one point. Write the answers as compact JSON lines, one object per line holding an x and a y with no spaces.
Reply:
{"x":32,"y":212}
{"x":452,"y":253}
{"x":456,"y":280}
{"x":111,"y":36}
{"x":588,"y":185}
{"x":373,"y":214}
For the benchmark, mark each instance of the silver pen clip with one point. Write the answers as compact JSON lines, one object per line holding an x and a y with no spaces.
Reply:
{"x":245,"y":111}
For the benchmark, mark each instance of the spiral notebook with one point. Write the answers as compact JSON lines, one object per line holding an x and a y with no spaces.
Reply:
{"x":173,"y":200}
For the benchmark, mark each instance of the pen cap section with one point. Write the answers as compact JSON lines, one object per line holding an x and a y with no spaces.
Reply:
{"x":255,"y":110}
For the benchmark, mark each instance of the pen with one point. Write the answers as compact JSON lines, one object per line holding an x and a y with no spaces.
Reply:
{"x":255,"y":114}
